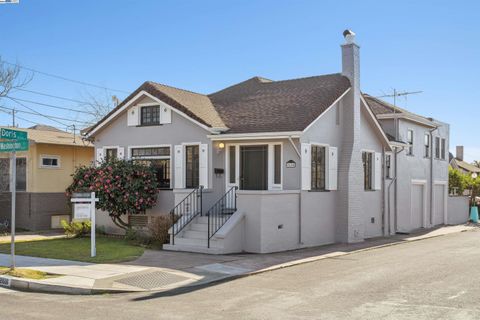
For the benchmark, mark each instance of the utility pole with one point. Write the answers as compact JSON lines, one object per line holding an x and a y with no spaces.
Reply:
{"x":14,"y":196}
{"x":394,"y":95}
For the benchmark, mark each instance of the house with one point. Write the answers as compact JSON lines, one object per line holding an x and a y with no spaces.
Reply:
{"x":459,"y":164}
{"x":265,"y":166}
{"x":43,"y":174}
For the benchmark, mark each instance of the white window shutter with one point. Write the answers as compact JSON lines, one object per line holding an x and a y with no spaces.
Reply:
{"x":306,"y":166}
{"x":99,"y":157}
{"x":179,"y":181}
{"x":203,"y":164}
{"x":377,"y":171}
{"x":165,"y":115}
{"x":133,"y":116}
{"x":331,"y":170}
{"x":120,"y":153}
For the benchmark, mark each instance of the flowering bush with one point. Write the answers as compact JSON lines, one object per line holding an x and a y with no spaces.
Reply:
{"x":122,"y":187}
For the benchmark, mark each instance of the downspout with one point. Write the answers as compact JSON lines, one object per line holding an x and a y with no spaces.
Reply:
{"x":299,"y":196}
{"x":431,"y":175}
{"x":395,"y":180}
{"x":383,"y":188}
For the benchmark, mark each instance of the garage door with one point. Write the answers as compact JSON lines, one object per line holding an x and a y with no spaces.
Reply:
{"x":439,"y":203}
{"x":417,"y":206}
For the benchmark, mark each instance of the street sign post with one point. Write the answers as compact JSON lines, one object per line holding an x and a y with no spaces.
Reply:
{"x":84,"y":208}
{"x":16,"y":141}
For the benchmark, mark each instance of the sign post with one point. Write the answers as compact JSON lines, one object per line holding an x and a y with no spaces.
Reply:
{"x":16,"y":141}
{"x":84,"y":208}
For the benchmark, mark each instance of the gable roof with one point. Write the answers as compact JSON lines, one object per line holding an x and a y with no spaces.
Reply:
{"x":49,"y":135}
{"x":255,"y":105}
{"x":262,"y":105}
{"x":383,"y":109}
{"x":464,"y":165}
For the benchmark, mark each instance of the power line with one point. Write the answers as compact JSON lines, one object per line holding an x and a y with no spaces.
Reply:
{"x":19,"y":117}
{"x":52,"y":96}
{"x":52,"y":106}
{"x":52,"y":118}
{"x":64,"y":78}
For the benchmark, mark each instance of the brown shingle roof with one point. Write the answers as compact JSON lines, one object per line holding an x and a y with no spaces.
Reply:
{"x":262,"y":105}
{"x":49,"y":135}
{"x":255,"y":105}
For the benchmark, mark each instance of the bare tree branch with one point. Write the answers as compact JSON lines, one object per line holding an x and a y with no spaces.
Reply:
{"x":12,"y":78}
{"x":99,"y":105}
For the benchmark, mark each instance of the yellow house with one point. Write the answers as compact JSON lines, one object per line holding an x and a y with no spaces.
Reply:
{"x":43,"y":174}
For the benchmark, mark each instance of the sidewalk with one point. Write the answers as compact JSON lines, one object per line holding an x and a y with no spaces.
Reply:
{"x":167,"y":270}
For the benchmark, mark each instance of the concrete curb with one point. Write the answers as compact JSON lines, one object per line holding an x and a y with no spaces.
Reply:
{"x":37,"y":286}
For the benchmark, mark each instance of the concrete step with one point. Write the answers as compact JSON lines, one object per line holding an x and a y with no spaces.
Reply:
{"x":201,"y":220}
{"x":193,"y":234}
{"x":197,"y":242}
{"x":198,"y":227}
{"x":197,"y":249}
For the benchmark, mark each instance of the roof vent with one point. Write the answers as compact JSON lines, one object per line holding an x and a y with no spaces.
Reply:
{"x":349,"y":36}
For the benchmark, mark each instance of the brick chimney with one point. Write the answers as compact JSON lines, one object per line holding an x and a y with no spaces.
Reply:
{"x":350,"y":226}
{"x":459,"y":153}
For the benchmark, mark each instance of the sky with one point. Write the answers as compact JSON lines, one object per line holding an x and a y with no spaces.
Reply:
{"x":204,"y":46}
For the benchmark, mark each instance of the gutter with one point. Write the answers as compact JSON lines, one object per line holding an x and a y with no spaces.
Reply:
{"x":256,"y":135}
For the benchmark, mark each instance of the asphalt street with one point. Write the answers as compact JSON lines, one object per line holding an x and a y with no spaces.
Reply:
{"x":435,"y":278}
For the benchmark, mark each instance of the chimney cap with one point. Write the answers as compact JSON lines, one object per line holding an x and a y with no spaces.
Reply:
{"x":349,"y":36}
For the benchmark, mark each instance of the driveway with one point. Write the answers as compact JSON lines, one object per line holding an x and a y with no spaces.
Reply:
{"x":434,"y":278}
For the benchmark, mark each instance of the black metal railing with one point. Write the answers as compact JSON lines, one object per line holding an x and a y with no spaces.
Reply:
{"x":221,"y":211}
{"x":185,"y":211}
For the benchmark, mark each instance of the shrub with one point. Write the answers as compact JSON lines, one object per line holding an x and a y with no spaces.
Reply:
{"x":158,"y":228}
{"x":76,"y":229}
{"x":122,"y":187}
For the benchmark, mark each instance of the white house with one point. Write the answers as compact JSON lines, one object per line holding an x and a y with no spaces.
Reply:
{"x":265,"y":166}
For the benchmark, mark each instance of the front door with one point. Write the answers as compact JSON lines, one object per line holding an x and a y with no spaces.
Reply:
{"x":253,"y":167}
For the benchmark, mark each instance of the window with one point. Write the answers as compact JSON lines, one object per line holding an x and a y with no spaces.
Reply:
{"x":159,"y":159}
{"x":410,"y":142}
{"x":427,"y":145}
{"x":5,"y":172}
{"x":388,"y":166}
{"x":367,"y":158}
{"x":318,"y":168}
{"x":437,"y":147}
{"x":192,"y":166}
{"x":110,"y":154}
{"x":443,"y":151}
{"x":150,"y":116}
{"x":232,"y":164}
{"x":50,"y":162}
{"x":277,"y":164}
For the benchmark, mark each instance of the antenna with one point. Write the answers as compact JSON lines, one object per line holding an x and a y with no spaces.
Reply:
{"x":394,"y":95}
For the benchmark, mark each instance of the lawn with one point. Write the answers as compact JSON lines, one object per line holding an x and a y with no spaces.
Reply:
{"x":109,"y":250}
{"x":25,"y":273}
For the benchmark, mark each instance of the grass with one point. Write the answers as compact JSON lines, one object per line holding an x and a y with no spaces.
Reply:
{"x":109,"y":250}
{"x":25,"y":273}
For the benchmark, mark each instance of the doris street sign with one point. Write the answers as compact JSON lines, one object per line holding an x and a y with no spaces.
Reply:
{"x":9,"y":134}
{"x":10,"y":146}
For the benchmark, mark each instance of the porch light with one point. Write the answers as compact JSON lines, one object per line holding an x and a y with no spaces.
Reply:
{"x":221,"y":145}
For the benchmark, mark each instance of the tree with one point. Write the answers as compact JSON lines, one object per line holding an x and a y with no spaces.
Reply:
{"x":99,"y":105}
{"x":122,"y":187}
{"x":11,"y":79}
{"x":456,"y":182}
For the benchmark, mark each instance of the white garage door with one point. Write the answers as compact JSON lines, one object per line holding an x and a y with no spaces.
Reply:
{"x":417,"y":206}
{"x":439,"y":204}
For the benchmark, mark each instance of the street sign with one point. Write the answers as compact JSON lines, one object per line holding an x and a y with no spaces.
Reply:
{"x":10,"y":146}
{"x":9,"y":134}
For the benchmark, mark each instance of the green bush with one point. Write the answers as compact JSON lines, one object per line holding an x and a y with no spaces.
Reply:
{"x":76,"y":229}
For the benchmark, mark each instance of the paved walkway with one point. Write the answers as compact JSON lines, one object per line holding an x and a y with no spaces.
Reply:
{"x":165,"y":270}
{"x":32,"y":236}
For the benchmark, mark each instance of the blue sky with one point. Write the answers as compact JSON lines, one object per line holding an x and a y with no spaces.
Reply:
{"x":203,"y":46}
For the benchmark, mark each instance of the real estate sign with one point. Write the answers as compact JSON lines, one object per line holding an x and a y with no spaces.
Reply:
{"x":9,"y":134}
{"x":10,"y":146}
{"x":82,"y":211}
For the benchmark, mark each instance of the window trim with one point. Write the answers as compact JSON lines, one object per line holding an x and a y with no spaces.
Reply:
{"x":372,"y":152}
{"x":388,"y":169}
{"x":154,"y":157}
{"x":146,"y":105}
{"x":326,"y":146}
{"x":270,"y":178}
{"x":443,"y":148}
{"x":427,"y":148}
{"x":438,"y":147}
{"x":410,"y":151}
{"x":48,"y":156}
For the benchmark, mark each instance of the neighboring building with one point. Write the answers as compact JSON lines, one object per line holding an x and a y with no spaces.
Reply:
{"x":312,"y":160}
{"x":464,"y":167}
{"x":43,"y":174}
